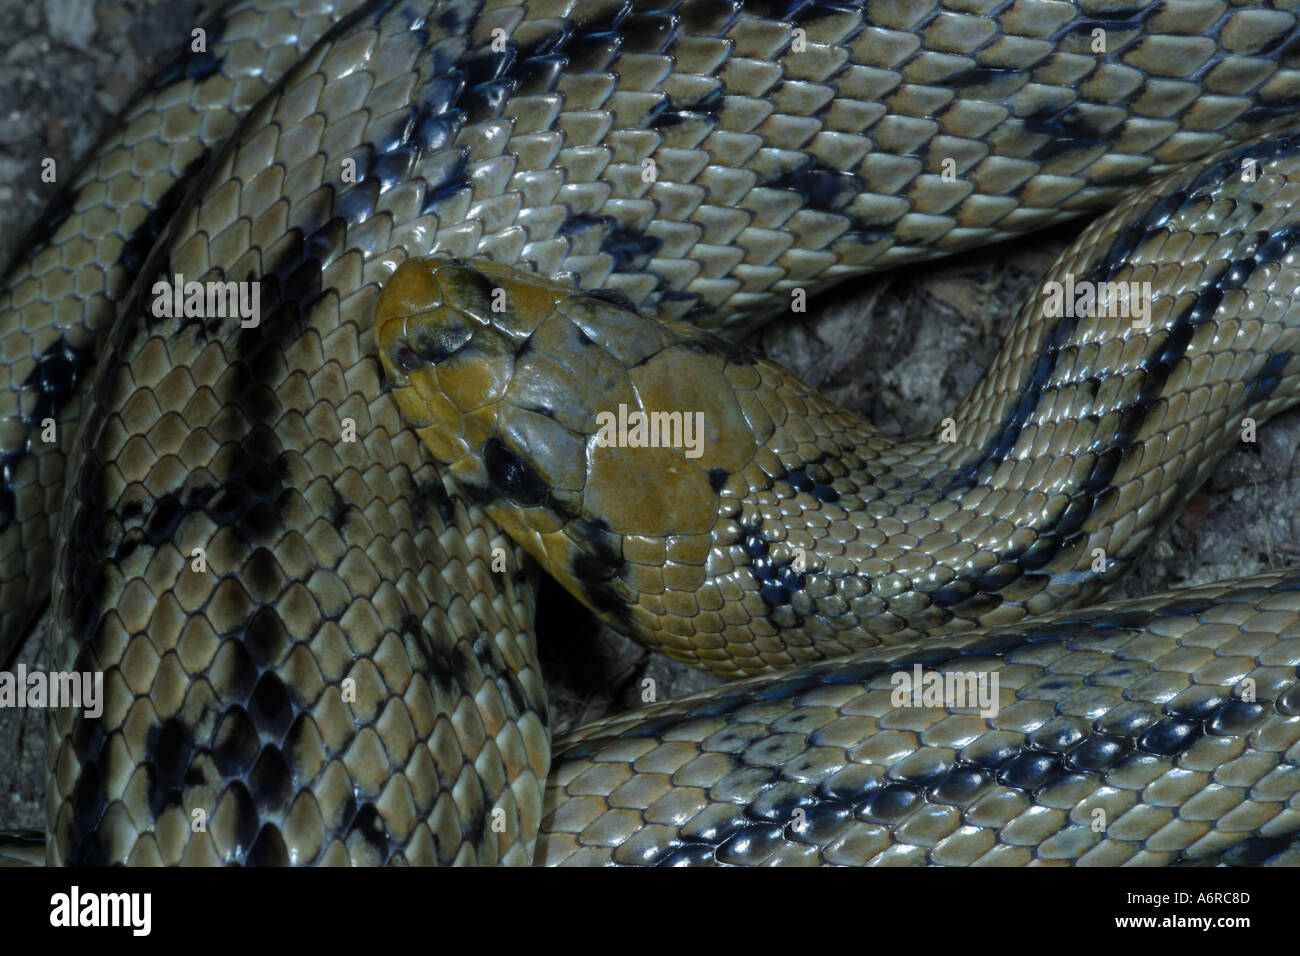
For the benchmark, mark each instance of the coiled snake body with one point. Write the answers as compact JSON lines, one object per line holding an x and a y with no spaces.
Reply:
{"x":305,"y":638}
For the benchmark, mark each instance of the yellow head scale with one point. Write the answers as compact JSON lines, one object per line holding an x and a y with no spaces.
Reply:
{"x":536,"y":397}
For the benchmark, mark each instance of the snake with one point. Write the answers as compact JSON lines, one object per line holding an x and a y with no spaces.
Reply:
{"x":300,"y":546}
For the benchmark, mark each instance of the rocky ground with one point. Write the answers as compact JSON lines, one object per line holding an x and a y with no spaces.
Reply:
{"x":900,"y":349}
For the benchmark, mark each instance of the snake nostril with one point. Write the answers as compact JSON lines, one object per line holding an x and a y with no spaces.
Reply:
{"x":406,"y":359}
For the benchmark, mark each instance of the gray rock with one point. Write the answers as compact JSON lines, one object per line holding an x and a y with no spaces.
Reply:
{"x":72,"y":22}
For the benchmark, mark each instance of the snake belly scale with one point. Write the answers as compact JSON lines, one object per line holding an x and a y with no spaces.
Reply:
{"x":345,"y":678}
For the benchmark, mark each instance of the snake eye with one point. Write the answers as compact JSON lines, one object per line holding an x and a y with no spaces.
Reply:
{"x":406,"y":359}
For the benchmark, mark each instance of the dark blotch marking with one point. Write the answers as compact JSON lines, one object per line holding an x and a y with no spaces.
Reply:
{"x":1268,"y":378}
{"x":1069,"y":130}
{"x":1236,"y":718}
{"x":235,"y":743}
{"x":478,"y":292}
{"x":649,"y":32}
{"x":339,"y":511}
{"x":1098,"y":753}
{"x":135,"y":251}
{"x":265,"y":636}
{"x":476,"y":825}
{"x":246,"y":821}
{"x":825,"y":189}
{"x":512,"y":476}
{"x":953,"y":593}
{"x":169,"y":750}
{"x":437,"y":343}
{"x":1056,"y":736}
{"x":594,"y":536}
{"x":431,"y":492}
{"x":1275,"y":247}
{"x":890,"y":805}
{"x":1130,"y":723}
{"x":241,"y":673}
{"x":263,"y":578}
{"x":53,"y":382}
{"x":454,"y":181}
{"x":164,"y":519}
{"x":776,"y":580}
{"x":253,"y":491}
{"x":271,"y":706}
{"x":518,"y":696}
{"x":754,"y":842}
{"x":960,"y":786}
{"x":1006,"y":77}
{"x":1195,"y":704}
{"x":630,"y":250}
{"x":270,"y":782}
{"x":593,"y":577}
{"x":413,"y":628}
{"x":802,"y":480}
{"x":87,"y":735}
{"x":707,"y":107}
{"x":89,"y":801}
{"x":1029,"y":770}
{"x":268,"y":849}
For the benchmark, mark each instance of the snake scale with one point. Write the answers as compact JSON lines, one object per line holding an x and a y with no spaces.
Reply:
{"x":310,"y":653}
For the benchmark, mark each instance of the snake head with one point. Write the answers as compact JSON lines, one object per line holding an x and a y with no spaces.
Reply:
{"x":448,"y":334}
{"x":531,"y":393}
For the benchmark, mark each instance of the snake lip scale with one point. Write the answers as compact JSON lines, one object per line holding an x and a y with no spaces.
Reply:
{"x":300,"y":550}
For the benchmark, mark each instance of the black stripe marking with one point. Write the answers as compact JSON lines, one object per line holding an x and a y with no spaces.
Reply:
{"x":1056,"y":754}
{"x":1064,"y":529}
